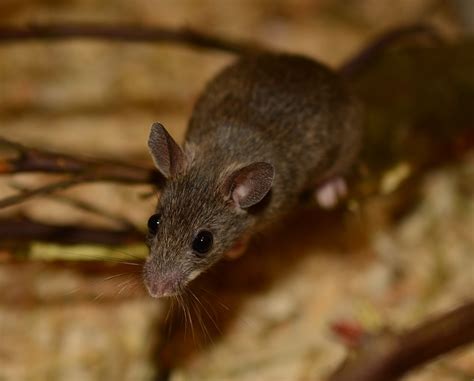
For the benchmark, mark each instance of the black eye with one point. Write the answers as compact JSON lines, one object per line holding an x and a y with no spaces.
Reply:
{"x":153,"y":223}
{"x":202,"y":242}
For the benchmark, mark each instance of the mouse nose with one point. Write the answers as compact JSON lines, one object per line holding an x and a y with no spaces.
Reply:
{"x":163,"y":286}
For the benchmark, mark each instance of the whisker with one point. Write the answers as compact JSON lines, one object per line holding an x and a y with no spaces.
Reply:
{"x":191,"y":323}
{"x":171,"y":312}
{"x":98,"y":297}
{"x":134,"y":284}
{"x":170,"y":308}
{"x":202,"y":324}
{"x":198,"y":315}
{"x":130,"y":263}
{"x":100,"y":258}
{"x":124,"y":286}
{"x":129,"y":254}
{"x":207,"y":312}
{"x":181,"y":304}
{"x":114,"y":276}
{"x":216,"y":297}
{"x":77,"y":256}
{"x":73,"y":291}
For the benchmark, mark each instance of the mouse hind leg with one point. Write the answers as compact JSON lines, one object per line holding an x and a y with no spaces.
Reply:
{"x":333,"y":187}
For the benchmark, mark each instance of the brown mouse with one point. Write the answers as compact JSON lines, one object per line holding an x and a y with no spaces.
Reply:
{"x":268,"y":129}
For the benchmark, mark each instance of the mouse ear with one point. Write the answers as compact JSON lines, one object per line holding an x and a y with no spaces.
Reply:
{"x":247,"y":186}
{"x":168,"y":156}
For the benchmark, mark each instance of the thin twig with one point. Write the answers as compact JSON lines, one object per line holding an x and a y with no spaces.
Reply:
{"x":25,"y":230}
{"x":388,"y":357}
{"x":85,"y":206}
{"x":123,"y":33}
{"x":35,"y":160}
{"x":53,"y":187}
{"x":84,"y":171}
{"x":45,"y":189}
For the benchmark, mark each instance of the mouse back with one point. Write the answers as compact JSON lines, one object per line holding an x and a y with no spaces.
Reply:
{"x":285,"y":109}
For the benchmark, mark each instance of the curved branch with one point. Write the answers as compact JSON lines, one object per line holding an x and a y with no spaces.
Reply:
{"x":124,"y":33}
{"x":388,"y":357}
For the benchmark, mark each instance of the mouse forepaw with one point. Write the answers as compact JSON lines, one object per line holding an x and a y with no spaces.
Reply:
{"x":331,"y":192}
{"x":239,"y":248}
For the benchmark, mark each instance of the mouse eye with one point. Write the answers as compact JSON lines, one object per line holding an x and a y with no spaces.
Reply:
{"x":153,"y":223}
{"x":202,"y":243}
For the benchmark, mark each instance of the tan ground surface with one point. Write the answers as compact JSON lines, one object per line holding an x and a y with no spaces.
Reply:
{"x":274,"y":306}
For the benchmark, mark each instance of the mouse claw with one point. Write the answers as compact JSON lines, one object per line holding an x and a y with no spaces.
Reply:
{"x":331,"y":192}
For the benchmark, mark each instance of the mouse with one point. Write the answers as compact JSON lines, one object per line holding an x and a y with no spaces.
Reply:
{"x":267,"y":131}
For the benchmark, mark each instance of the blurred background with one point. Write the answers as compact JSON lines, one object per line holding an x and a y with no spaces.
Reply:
{"x":72,"y":312}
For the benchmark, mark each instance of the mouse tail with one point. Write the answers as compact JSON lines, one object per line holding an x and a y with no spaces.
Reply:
{"x":405,"y":34}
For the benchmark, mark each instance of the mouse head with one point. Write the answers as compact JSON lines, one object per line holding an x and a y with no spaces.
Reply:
{"x":203,"y":210}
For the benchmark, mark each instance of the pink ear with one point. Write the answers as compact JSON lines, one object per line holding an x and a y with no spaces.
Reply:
{"x":168,"y":156}
{"x":247,"y":186}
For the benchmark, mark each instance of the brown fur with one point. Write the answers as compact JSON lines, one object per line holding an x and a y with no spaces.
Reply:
{"x":285,"y":110}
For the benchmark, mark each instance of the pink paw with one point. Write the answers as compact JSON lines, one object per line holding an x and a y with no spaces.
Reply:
{"x":331,"y":192}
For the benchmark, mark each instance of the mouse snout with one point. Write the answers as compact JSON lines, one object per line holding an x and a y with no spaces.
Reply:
{"x":162,"y":285}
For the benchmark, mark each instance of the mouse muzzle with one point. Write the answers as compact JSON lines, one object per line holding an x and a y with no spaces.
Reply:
{"x":161,"y":283}
{"x":162,"y":286}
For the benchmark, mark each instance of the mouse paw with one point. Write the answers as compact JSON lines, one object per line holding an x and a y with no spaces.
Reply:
{"x":331,"y":192}
{"x":239,"y":248}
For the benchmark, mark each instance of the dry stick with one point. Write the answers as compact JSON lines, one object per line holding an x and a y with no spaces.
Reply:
{"x":123,"y":33}
{"x":49,"y":188}
{"x":86,"y":171}
{"x":36,"y":160}
{"x":388,"y":357}
{"x":25,"y":230}
{"x":85,"y":206}
{"x":53,"y":187}
{"x":93,"y":209}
